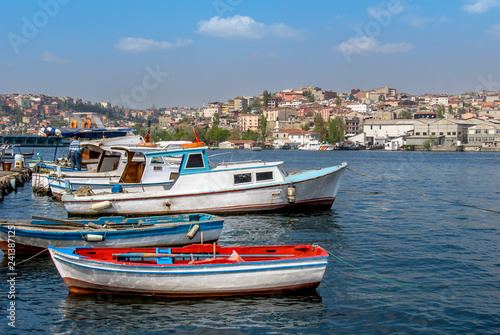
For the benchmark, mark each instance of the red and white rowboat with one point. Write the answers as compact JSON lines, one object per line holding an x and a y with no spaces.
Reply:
{"x":198,"y":270}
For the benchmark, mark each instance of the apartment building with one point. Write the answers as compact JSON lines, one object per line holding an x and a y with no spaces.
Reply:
{"x":249,"y":122}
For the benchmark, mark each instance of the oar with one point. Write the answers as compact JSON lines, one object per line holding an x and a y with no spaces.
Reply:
{"x":47,"y":226}
{"x":154,"y":255}
{"x":66,"y":222}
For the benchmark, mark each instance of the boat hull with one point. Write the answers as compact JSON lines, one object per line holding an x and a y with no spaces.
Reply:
{"x":28,"y":239}
{"x":86,"y":276}
{"x":314,"y":190}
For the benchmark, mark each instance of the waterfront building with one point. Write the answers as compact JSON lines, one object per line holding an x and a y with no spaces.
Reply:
{"x":485,"y":134}
{"x":453,"y":131}
{"x":387,"y":129}
{"x":296,"y":136}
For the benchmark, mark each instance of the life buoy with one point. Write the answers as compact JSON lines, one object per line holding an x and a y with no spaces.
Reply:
{"x":73,"y":124}
{"x":86,"y":124}
{"x":146,"y":144}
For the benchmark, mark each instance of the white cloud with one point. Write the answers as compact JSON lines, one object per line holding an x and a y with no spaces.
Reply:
{"x":495,"y":30}
{"x":137,"y":44}
{"x":244,"y":27}
{"x":48,"y":57}
{"x":480,"y":6}
{"x":367,"y":44}
{"x":386,"y":10}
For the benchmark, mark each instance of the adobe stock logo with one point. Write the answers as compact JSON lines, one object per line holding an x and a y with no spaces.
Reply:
{"x":223,"y":6}
{"x":139,"y":93}
{"x":487,"y":84}
{"x":365,"y":37}
{"x":31,"y":27}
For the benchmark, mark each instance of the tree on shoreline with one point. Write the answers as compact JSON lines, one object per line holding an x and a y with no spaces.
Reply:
{"x":263,"y":127}
{"x":336,"y":130}
{"x":320,"y":127}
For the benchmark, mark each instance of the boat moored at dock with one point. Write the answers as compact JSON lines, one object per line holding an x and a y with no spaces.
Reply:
{"x":237,"y":187}
{"x":172,"y":230}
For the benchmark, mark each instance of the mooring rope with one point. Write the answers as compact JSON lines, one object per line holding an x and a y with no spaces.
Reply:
{"x":372,"y":274}
{"x":236,"y":230}
{"x":425,"y":195}
{"x":21,"y":262}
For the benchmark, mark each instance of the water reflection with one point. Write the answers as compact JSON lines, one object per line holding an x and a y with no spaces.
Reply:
{"x":297,"y":228}
{"x":142,"y":314}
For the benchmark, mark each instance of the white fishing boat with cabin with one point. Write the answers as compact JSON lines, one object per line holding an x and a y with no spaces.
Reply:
{"x":134,"y":171}
{"x":96,"y":158}
{"x":199,"y":186}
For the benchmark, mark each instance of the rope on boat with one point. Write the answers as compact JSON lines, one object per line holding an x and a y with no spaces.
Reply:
{"x":23,"y":261}
{"x":372,"y":274}
{"x":425,"y":195}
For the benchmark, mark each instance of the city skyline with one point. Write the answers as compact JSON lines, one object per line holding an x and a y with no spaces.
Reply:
{"x":169,"y":53}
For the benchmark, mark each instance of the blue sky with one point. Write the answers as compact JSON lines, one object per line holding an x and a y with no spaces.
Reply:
{"x":141,"y":54}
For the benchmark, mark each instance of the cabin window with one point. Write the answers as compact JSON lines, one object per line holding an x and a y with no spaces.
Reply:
{"x":417,"y":133}
{"x":156,"y":160}
{"x":195,"y":161}
{"x":260,"y":176}
{"x":242,"y":178}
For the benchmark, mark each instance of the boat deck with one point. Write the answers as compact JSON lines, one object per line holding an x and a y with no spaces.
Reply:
{"x":198,"y":254}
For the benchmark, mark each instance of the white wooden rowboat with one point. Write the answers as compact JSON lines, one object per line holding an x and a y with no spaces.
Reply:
{"x":191,"y":271}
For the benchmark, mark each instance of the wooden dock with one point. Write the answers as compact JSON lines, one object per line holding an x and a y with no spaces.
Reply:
{"x":11,"y":180}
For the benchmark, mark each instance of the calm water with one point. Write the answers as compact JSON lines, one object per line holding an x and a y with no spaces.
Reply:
{"x":406,"y":238}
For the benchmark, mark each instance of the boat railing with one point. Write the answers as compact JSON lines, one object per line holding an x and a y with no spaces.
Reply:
{"x":239,"y":162}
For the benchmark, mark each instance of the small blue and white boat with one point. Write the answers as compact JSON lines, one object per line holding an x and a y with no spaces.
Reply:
{"x":156,"y":231}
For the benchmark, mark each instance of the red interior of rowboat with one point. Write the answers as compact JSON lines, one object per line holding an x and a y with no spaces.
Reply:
{"x":202,"y":253}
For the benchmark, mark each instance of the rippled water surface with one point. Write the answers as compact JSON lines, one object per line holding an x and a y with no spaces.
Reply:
{"x":405,"y":257}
